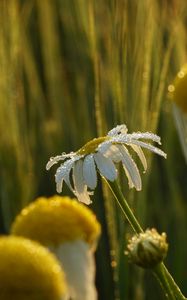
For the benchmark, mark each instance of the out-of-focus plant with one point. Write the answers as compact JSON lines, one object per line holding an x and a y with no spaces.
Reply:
{"x":71,"y":231}
{"x":29,"y":271}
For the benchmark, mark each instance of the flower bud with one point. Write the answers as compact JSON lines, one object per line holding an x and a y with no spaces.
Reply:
{"x":147,"y":249}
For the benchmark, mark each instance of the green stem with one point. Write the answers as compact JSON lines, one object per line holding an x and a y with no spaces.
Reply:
{"x":124,"y":206}
{"x":177,"y":292}
{"x":171,"y":290}
{"x":161,"y":276}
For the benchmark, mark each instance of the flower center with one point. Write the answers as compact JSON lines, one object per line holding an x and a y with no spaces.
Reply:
{"x":92,"y":145}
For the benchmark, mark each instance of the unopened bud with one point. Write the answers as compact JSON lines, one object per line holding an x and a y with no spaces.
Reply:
{"x":147,"y":249}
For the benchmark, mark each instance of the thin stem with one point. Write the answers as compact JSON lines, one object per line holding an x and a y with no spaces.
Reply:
{"x":159,"y":272}
{"x":177,"y":292}
{"x":171,"y":290}
{"x":124,"y":206}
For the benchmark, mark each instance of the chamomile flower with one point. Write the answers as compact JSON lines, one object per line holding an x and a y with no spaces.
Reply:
{"x":29,"y":271}
{"x":79,"y":169}
{"x":70,"y":230}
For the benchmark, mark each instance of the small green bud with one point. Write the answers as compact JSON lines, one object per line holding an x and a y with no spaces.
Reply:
{"x":147,"y":249}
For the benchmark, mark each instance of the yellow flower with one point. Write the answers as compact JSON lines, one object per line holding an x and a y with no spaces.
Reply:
{"x":29,"y":271}
{"x":178,"y":89}
{"x":57,"y":220}
{"x":178,"y":94}
{"x":70,"y":230}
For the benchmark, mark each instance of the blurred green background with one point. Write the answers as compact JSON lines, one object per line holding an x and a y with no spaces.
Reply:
{"x":69,"y":71}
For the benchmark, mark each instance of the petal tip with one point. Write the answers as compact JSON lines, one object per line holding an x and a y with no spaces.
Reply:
{"x":58,"y":190}
{"x":139,"y":189}
{"x":47,"y":167}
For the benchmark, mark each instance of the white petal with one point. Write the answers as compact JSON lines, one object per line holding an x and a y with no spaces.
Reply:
{"x":56,"y":159}
{"x":131,"y":168}
{"x":130,"y":183}
{"x":59,"y":185}
{"x":127,"y":138}
{"x":109,"y":150}
{"x":140,"y":154}
{"x":84,"y":196}
{"x":89,"y":171}
{"x":119,"y":129}
{"x":145,"y":135}
{"x":79,"y":266}
{"x":105,"y":166}
{"x":103,"y":147}
{"x":113,"y":153}
{"x":63,"y":171}
{"x":67,"y":181}
{"x":79,"y":183}
{"x":149,"y":147}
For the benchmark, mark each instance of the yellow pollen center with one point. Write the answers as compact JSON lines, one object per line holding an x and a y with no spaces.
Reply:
{"x":56,"y":220}
{"x":92,"y":145}
{"x":29,"y":271}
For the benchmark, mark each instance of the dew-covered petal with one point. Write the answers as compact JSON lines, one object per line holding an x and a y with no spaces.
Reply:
{"x":131,"y":168}
{"x":113,"y":153}
{"x":89,"y":171}
{"x":126,"y":138}
{"x":54,"y":160}
{"x":106,"y":166}
{"x":119,"y":129}
{"x":148,"y":146}
{"x":63,"y":172}
{"x":130,"y":183}
{"x":80,"y":186}
{"x":109,"y":150}
{"x":145,"y":135}
{"x":140,"y":154}
{"x":104,"y":147}
{"x":84,"y":196}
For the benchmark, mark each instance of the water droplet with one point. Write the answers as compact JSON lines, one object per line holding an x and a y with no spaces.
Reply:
{"x":171,"y":88}
{"x":113,"y":264}
{"x":181,"y":74}
{"x":145,"y":75}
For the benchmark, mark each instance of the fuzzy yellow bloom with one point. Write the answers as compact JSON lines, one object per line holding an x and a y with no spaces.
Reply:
{"x":57,"y":220}
{"x":178,"y":94}
{"x":70,"y":230}
{"x":29,"y":271}
{"x":178,"y":89}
